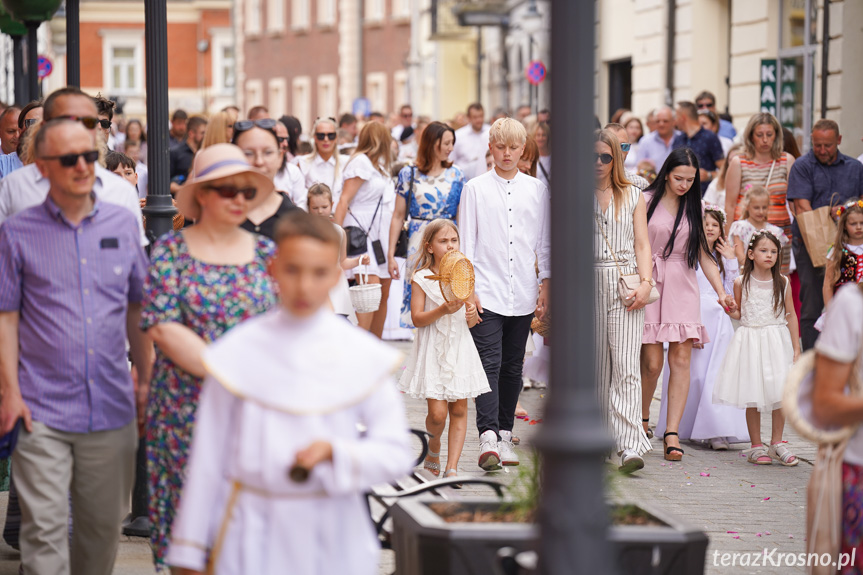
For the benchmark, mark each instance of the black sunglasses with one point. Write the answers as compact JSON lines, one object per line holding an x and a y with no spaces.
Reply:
{"x":282,"y":139}
{"x":71,"y":160}
{"x":604,"y":158}
{"x":704,"y":105}
{"x":325,"y":135}
{"x":263,"y":123}
{"x":231,"y":192}
{"x":89,"y":122}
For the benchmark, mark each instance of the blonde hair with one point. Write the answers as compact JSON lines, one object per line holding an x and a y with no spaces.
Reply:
{"x":507,"y":131}
{"x":374,"y":141}
{"x":619,"y":183}
{"x":757,"y":120}
{"x":424,"y":259}
{"x":309,"y":158}
{"x":217,"y":129}
{"x":754,"y":191}
{"x":319,"y":190}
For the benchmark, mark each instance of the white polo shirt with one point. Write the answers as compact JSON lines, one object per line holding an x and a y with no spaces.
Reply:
{"x":469,"y":150}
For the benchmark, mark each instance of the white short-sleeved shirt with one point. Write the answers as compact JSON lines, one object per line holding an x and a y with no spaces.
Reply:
{"x":842,"y":340}
{"x":291,"y":181}
{"x":317,"y":170}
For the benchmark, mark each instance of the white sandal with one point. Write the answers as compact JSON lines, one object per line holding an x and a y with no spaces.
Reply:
{"x":756,"y":453}
{"x":783,"y":455}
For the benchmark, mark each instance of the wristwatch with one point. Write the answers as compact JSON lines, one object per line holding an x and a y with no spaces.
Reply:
{"x":651,"y":281}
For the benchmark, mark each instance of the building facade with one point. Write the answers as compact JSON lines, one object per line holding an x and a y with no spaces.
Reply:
{"x":201,"y":77}
{"x":753,"y":55}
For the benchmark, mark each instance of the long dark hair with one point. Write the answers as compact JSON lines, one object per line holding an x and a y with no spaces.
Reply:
{"x":775,"y":271}
{"x":294,"y":130}
{"x":691,"y":204}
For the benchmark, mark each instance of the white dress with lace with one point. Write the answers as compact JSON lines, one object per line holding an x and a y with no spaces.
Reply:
{"x":760,"y":354}
{"x":443,"y":363}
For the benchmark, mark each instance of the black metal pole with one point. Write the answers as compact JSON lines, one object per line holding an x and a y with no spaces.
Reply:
{"x":159,"y":210}
{"x":20,"y":81}
{"x":573,"y":515}
{"x":73,"y":43}
{"x":32,"y":60}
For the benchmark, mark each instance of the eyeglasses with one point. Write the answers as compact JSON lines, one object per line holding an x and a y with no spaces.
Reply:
{"x":321,"y":136}
{"x":703,"y":105}
{"x":282,"y":140}
{"x":604,"y":158}
{"x":71,"y":160}
{"x":263,"y":123}
{"x":30,"y":121}
{"x":89,"y":122}
{"x":231,"y":192}
{"x":625,"y":146}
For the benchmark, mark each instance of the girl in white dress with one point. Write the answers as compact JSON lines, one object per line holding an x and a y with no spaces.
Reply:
{"x":763,"y":348}
{"x":444,"y":366}
{"x":718,"y":425}
{"x":756,"y":204}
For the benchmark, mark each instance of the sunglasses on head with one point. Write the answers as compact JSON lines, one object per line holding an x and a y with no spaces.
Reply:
{"x":90,"y":122}
{"x":231,"y":192}
{"x":263,"y":123}
{"x":30,"y":121}
{"x":321,"y":136}
{"x":625,"y":146}
{"x":604,"y":158}
{"x":71,"y":160}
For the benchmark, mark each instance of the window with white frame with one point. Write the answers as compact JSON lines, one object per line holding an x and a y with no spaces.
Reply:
{"x":254,"y":93}
{"x":327,"y":93}
{"x":301,"y":99}
{"x":253,"y":16}
{"x":277,"y":97}
{"x":401,"y":9}
{"x":223,"y":62}
{"x":300,"y":14}
{"x":374,"y":10}
{"x":400,"y":88}
{"x":123,"y":61}
{"x":275,"y":15}
{"x":326,"y":12}
{"x":376,"y":91}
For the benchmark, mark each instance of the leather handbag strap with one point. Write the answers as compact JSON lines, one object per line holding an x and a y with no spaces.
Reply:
{"x":613,"y":255}
{"x":373,"y":216}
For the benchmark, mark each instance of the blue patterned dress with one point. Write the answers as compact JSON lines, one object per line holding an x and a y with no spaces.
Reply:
{"x":432,"y":198}
{"x":209,"y":299}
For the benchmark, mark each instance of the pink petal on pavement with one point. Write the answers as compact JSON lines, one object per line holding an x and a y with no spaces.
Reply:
{"x":705,"y":475}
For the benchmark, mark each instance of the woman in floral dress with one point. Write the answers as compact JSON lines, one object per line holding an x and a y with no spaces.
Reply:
{"x":435,"y":193}
{"x":202,"y":281}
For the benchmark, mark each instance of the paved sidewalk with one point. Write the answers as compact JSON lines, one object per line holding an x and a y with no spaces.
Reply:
{"x":735,"y":496}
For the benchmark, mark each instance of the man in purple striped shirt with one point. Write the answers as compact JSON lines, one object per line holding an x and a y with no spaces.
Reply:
{"x":71,"y":277}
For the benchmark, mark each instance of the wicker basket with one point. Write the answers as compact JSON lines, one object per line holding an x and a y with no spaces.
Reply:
{"x":365,"y":297}
{"x":179,"y":220}
{"x":456,"y":277}
{"x":543,"y":328}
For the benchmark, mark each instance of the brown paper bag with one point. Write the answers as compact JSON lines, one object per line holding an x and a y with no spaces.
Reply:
{"x":818,"y":231}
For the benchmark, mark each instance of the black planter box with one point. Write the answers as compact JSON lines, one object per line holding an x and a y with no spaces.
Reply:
{"x":425,"y":544}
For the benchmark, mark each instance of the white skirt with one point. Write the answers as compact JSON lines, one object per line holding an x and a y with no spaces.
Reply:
{"x":755,"y":367}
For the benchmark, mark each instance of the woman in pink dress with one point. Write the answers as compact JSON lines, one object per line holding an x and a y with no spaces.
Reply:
{"x":678,"y":245}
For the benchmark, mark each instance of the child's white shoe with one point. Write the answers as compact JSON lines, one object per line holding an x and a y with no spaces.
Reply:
{"x":781,"y":453}
{"x":507,"y":451}
{"x":489,"y":456}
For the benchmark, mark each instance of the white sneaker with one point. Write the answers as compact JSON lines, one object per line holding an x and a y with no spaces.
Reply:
{"x":507,"y":451}
{"x":526,"y":382}
{"x":719,"y":444}
{"x":489,"y":456}
{"x":630,"y":461}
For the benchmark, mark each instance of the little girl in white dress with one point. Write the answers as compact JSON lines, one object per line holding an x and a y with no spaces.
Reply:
{"x":444,"y":366}
{"x":764,"y":347}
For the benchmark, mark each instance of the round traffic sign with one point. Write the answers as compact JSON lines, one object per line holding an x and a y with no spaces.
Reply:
{"x":45,"y":67}
{"x":535,"y":72}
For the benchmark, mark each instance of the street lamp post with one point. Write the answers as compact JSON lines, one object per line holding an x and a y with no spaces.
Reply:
{"x":573,"y":441}
{"x":73,"y":43}
{"x":159,"y":209}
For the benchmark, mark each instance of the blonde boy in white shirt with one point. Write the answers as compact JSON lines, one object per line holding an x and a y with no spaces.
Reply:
{"x":286,"y":390}
{"x":504,"y":220}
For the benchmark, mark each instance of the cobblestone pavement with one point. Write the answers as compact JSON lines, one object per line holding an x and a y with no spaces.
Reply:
{"x":743,"y":508}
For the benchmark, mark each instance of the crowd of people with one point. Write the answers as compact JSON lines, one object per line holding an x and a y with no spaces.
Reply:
{"x":110,"y":335}
{"x":703,"y":273}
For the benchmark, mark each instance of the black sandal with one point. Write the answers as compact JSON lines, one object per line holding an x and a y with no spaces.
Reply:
{"x":671,"y":453}
{"x":648,"y":431}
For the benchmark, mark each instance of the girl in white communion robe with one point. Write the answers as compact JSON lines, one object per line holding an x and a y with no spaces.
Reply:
{"x":285,"y":391}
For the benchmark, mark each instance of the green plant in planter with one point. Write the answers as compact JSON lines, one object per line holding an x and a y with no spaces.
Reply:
{"x":525,"y":490}
{"x":10,"y":26}
{"x":32,"y":10}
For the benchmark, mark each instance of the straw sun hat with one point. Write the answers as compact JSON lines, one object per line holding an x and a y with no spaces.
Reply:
{"x":216,"y":162}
